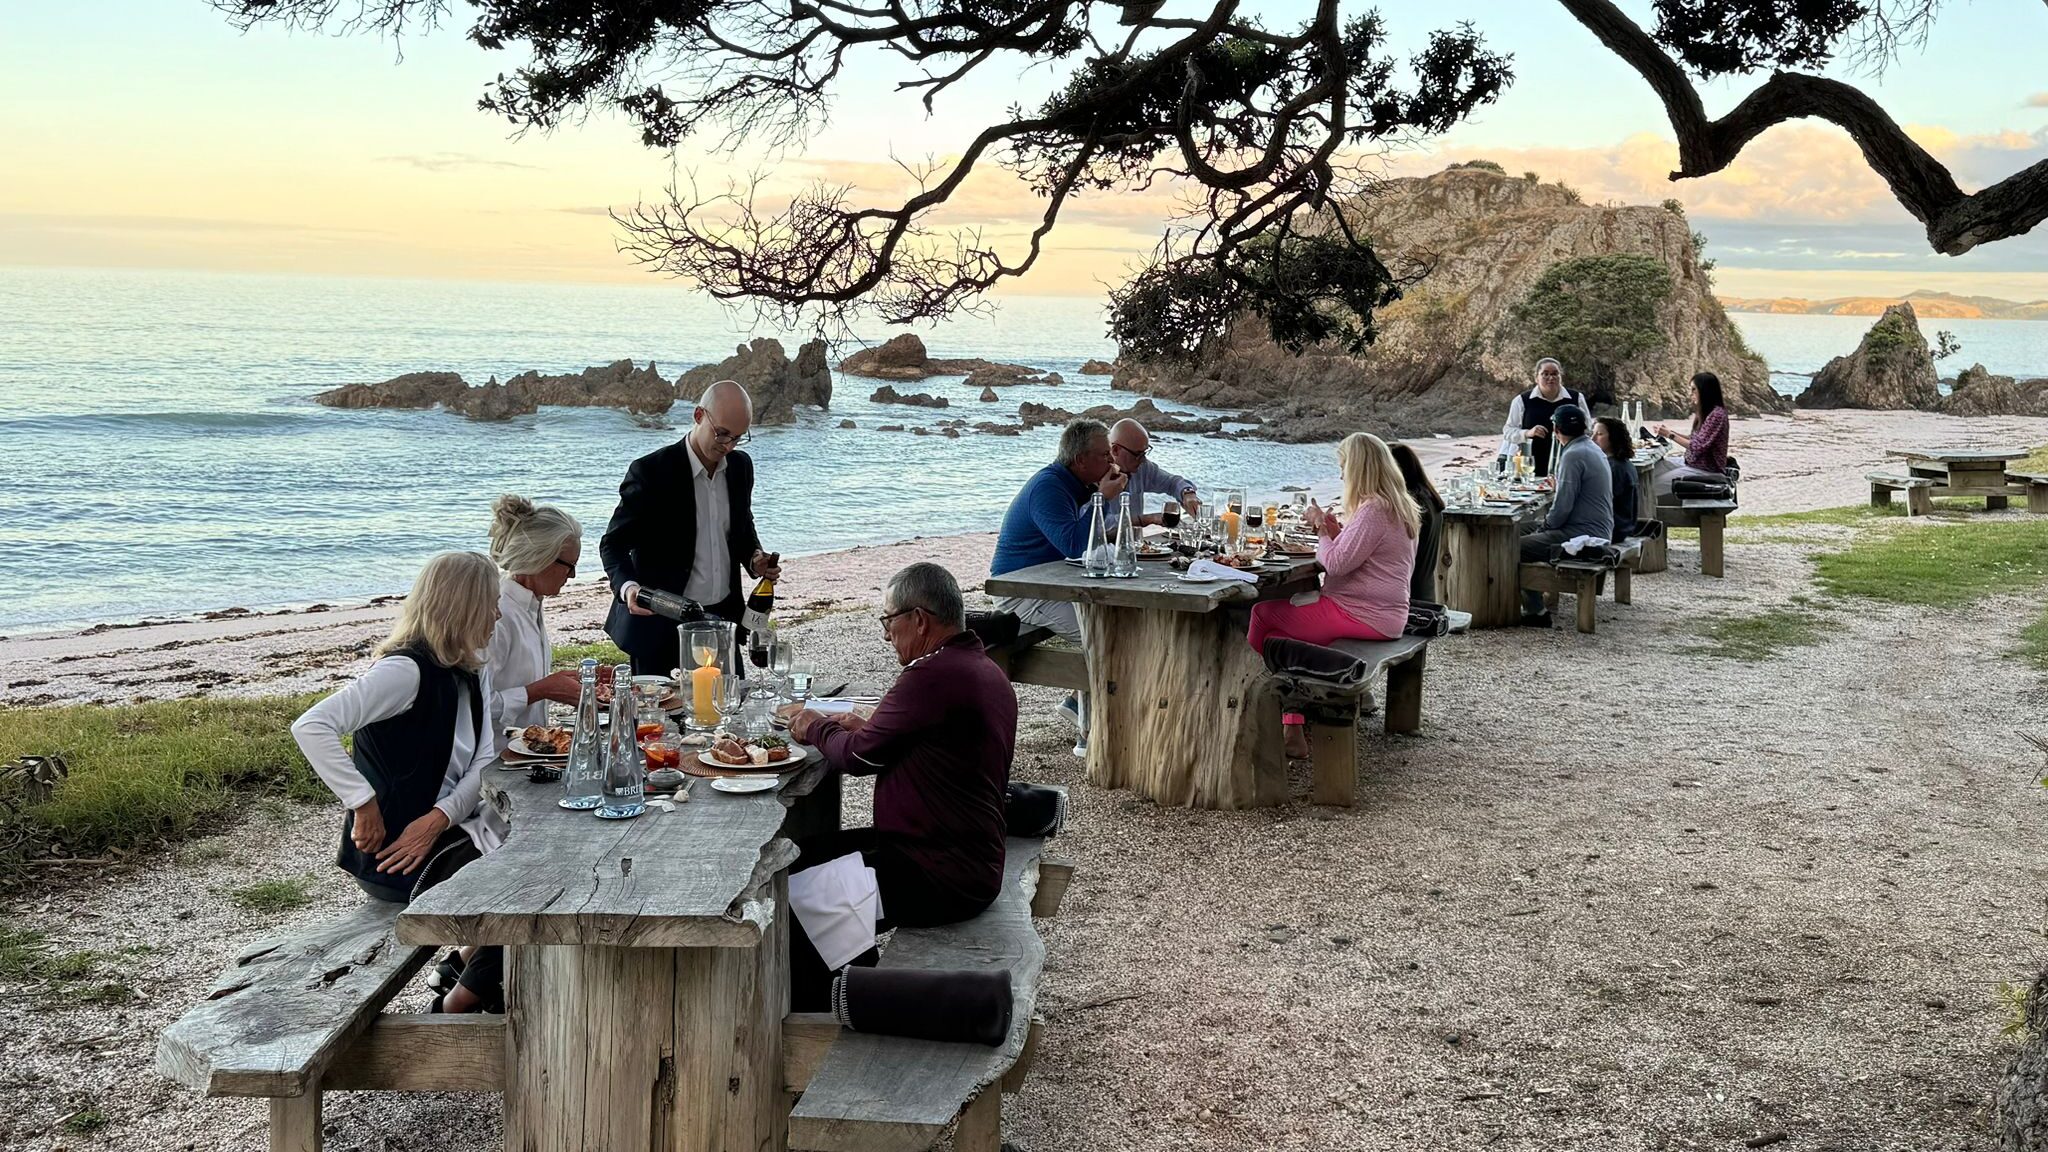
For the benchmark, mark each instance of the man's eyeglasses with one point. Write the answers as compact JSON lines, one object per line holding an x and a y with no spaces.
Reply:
{"x":1133,"y":453}
{"x":729,"y":439}
{"x":886,"y":617}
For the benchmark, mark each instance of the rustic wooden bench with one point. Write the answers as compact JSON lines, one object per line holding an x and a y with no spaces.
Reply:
{"x":1334,"y":704}
{"x":2036,"y":486}
{"x":1631,"y":559}
{"x":1582,"y":579}
{"x":1711,"y":518}
{"x":1919,"y":491}
{"x":858,"y":1092}
{"x":299,"y":1015}
{"x":1038,"y":656}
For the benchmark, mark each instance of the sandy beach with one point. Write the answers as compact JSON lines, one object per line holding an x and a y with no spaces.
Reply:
{"x":1614,"y":896}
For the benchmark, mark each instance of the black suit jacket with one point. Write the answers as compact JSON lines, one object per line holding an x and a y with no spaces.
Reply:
{"x":652,"y":539}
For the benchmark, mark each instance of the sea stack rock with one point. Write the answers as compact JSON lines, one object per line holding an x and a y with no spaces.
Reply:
{"x":1890,"y":368}
{"x":616,"y":385}
{"x":1978,"y":393}
{"x":887,"y":395}
{"x":898,"y":358}
{"x":777,"y":383}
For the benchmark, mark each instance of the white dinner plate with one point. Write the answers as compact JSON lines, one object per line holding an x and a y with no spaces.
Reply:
{"x":797,"y":755}
{"x":747,"y":783}
{"x":518,"y":745}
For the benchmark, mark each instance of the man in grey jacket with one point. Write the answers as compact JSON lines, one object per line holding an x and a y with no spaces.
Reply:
{"x":1583,"y":504}
{"x":1131,"y":446}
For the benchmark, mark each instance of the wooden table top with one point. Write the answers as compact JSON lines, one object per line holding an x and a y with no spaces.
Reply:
{"x":1961,"y":455}
{"x":1155,"y":586}
{"x":1535,"y":505}
{"x":700,"y":876}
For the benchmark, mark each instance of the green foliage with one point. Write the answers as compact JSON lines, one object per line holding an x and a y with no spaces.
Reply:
{"x":1676,"y":208}
{"x":602,"y":651}
{"x":1762,"y":635}
{"x":1849,"y":515}
{"x":145,"y":773}
{"x":1946,"y":344}
{"x":1482,"y":165}
{"x":2034,"y":643}
{"x":279,"y":895}
{"x":1889,"y":337}
{"x":1531,"y":178}
{"x":2012,"y":1004}
{"x":1571,"y":194}
{"x":60,"y":978}
{"x":1939,"y":564}
{"x":1705,"y":263}
{"x":86,"y":1120}
{"x":1596,"y":313}
{"x":1309,"y":289}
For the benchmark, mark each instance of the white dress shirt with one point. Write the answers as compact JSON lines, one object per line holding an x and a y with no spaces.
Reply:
{"x":711,"y":568}
{"x":1513,"y":435}
{"x":519,"y":654}
{"x":387,"y":690}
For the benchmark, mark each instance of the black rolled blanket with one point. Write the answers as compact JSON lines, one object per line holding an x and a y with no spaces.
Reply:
{"x":966,"y":1007}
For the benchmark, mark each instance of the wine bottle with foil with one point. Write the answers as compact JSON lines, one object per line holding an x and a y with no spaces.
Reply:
{"x":583,"y":777}
{"x":760,"y":603}
{"x":1097,"y":559}
{"x":625,"y":770}
{"x":1126,"y":561}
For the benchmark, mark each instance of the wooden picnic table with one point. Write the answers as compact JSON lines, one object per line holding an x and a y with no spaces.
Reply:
{"x":646,"y":964}
{"x":1483,"y":558}
{"x":1966,"y":472}
{"x":1181,"y":709}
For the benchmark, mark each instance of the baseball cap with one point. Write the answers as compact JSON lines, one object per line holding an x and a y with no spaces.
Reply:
{"x":1570,"y":420}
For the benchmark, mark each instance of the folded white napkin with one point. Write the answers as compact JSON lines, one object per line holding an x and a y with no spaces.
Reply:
{"x":830,"y":707}
{"x":1206,"y":569}
{"x":837,"y":903}
{"x":1578,"y":544}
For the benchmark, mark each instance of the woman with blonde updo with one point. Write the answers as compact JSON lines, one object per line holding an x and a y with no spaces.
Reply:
{"x":536,"y":548}
{"x":1367,"y":560}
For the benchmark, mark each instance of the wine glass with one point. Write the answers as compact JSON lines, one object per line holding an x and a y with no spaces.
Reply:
{"x":730,"y":699}
{"x":781,"y":656}
{"x":1169,"y":516}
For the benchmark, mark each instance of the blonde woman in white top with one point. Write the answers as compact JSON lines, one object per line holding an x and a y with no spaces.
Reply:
{"x":536,"y":549}
{"x":413,"y":782}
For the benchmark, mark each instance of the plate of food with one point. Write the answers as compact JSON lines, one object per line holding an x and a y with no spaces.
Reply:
{"x":747,"y":783}
{"x":730,"y":755}
{"x":540,"y":742}
{"x":1154,"y":552}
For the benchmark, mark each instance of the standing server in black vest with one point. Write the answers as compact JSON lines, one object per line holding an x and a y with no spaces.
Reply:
{"x":1528,"y":423}
{"x":685,"y":525}
{"x":413,"y":783}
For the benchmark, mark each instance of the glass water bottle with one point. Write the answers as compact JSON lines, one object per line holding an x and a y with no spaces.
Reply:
{"x":1126,"y":561}
{"x":1097,"y":559}
{"x":583,"y":777}
{"x":625,"y":772}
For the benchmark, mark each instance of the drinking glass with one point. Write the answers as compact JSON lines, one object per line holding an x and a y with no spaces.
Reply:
{"x":781,"y":656}
{"x":731,"y":698}
{"x":800,"y":675}
{"x":1169,"y":516}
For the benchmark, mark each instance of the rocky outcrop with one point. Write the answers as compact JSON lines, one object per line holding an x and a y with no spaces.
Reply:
{"x":1890,"y":368}
{"x":1450,"y":354}
{"x":776,"y":383}
{"x":904,"y":358}
{"x":412,"y":390}
{"x":1154,"y":418}
{"x":2020,"y":1099}
{"x":887,"y":395}
{"x":615,"y":385}
{"x":1978,"y":393}
{"x":988,"y":396}
{"x":1098,"y":368}
{"x":495,"y":401}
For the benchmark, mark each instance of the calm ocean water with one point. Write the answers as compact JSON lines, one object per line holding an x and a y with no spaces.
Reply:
{"x":163,"y":456}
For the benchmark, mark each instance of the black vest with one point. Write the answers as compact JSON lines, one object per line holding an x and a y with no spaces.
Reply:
{"x":405,"y":758}
{"x":1536,"y":413}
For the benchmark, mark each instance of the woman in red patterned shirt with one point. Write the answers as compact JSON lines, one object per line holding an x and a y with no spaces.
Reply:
{"x":1706,"y":445}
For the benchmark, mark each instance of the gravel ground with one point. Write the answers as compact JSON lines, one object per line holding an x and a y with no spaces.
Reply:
{"x":1614,"y":896}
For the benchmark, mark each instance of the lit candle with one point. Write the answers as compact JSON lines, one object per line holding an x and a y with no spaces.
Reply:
{"x":703,"y":694}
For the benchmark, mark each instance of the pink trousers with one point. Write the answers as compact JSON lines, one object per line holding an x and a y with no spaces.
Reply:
{"x":1317,"y":623}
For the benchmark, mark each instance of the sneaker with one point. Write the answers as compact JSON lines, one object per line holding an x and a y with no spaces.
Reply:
{"x":1081,"y":748}
{"x":1539,"y":620}
{"x":1071,"y":709}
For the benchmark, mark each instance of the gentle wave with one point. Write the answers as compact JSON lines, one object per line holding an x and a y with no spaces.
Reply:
{"x":158,"y":421}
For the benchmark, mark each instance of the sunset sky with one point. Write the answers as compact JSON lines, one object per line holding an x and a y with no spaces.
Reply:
{"x":149,"y":133}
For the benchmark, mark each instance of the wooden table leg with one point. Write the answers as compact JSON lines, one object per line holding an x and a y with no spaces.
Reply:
{"x":1180,"y":709}
{"x":665,"y":1049}
{"x":1486,"y":561}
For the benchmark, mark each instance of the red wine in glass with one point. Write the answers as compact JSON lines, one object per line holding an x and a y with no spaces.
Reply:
{"x":1170,"y":518}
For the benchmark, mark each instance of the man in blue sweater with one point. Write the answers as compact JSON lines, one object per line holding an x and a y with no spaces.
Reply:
{"x":1583,"y":504}
{"x":1048,"y":521}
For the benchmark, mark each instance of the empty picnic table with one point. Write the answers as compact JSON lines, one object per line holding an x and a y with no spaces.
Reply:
{"x":1483,"y":558}
{"x":646,"y":978}
{"x":1181,"y":710}
{"x":1966,"y":472}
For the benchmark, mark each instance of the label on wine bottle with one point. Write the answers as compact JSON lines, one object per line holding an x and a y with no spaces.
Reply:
{"x":754,"y":621}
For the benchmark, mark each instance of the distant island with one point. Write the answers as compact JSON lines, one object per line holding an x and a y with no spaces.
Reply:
{"x":1929,"y":305}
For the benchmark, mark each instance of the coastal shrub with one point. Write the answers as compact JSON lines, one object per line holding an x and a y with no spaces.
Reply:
{"x":1946,"y":345}
{"x":1482,"y":165}
{"x":1596,"y":313}
{"x":1890,"y":336}
{"x":148,"y":774}
{"x":1531,"y":178}
{"x":1571,"y":194}
{"x":1675,"y":207}
{"x":1705,"y":263}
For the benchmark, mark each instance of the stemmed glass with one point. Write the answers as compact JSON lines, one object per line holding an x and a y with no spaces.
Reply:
{"x":731,"y":700}
{"x":781,"y":657}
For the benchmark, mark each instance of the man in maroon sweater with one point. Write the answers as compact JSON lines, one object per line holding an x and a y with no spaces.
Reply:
{"x":939,"y":746}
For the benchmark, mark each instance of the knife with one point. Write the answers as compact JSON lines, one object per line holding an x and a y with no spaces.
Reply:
{"x":835,"y":691}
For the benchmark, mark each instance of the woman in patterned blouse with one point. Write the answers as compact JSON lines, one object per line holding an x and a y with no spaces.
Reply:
{"x":1706,"y":446}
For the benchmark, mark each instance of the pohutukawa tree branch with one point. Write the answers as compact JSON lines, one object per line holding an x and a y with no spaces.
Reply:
{"x":1956,"y":221}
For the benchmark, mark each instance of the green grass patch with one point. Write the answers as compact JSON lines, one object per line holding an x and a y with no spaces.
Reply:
{"x":2034,"y":643}
{"x":2036,"y":463}
{"x":1763,"y":635}
{"x":280,"y":895}
{"x":141,"y":774}
{"x":86,"y":976}
{"x":1847,"y":516}
{"x":86,"y":1120}
{"x":603,"y":651}
{"x":1940,"y":565}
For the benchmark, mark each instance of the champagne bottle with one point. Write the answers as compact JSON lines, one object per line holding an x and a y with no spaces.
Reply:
{"x":625,"y":786}
{"x":583,"y":781}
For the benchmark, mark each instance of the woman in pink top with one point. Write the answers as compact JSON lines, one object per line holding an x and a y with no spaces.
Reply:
{"x":1367,"y":560}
